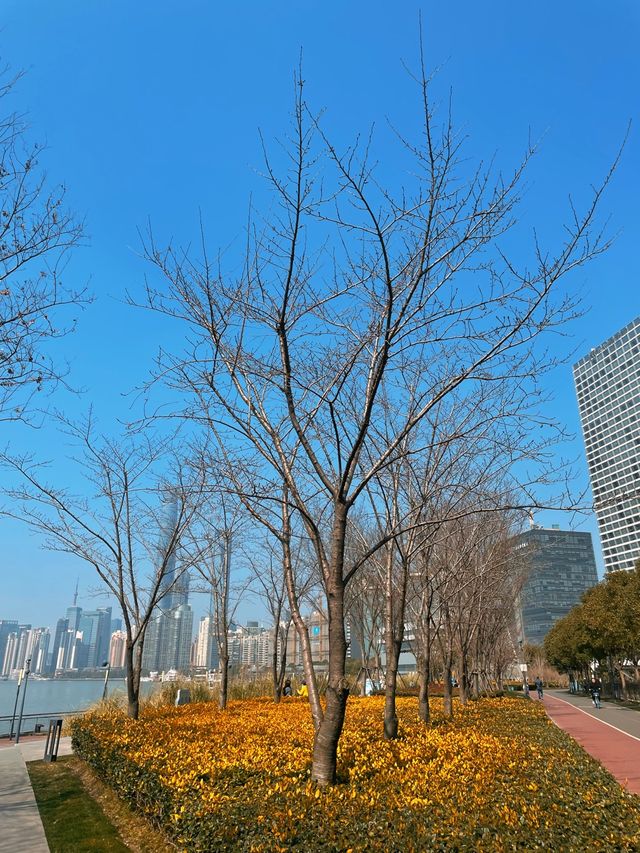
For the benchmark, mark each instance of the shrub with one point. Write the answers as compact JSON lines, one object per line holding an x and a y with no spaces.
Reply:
{"x":499,"y":776}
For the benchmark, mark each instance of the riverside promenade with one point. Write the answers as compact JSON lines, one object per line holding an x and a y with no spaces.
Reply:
{"x":610,"y":734}
{"x":21,"y":828}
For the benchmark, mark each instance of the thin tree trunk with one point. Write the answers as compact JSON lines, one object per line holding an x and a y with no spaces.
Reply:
{"x":463,"y":680}
{"x":133,"y":662}
{"x":224,"y":677}
{"x":448,"y":690}
{"x":300,"y":626}
{"x":390,"y":687}
{"x":277,"y":693}
{"x":424,"y":665}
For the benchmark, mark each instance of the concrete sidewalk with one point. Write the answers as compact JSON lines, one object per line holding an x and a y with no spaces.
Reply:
{"x":610,"y":734}
{"x":21,"y":829}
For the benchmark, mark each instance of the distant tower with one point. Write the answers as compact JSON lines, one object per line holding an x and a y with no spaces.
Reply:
{"x":75,"y":594}
{"x":169,"y":634}
{"x":561,"y":568}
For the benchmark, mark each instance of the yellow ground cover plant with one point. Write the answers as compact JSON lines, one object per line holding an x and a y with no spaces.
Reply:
{"x":500,"y":776}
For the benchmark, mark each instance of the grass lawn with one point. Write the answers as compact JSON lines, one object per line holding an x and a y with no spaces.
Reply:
{"x":80,"y":814}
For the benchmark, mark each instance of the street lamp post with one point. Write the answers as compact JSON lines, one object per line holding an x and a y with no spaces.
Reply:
{"x":106,"y":679}
{"x":15,"y":704}
{"x":24,"y":693}
{"x":523,"y":670}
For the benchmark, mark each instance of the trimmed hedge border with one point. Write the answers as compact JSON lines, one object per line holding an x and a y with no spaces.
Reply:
{"x":499,"y":777}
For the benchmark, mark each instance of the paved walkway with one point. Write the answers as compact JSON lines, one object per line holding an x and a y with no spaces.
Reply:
{"x":610,"y":734}
{"x":21,"y":829}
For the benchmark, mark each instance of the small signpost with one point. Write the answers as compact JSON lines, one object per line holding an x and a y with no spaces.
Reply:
{"x":53,"y":740}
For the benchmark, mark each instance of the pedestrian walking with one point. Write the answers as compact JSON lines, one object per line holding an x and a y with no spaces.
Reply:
{"x":539,"y":687}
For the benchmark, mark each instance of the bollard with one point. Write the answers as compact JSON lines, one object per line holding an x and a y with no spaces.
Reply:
{"x":53,"y":740}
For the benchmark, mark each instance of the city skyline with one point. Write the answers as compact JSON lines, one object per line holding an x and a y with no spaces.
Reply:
{"x":98,"y":117}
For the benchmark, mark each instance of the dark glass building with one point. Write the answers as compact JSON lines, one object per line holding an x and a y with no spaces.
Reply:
{"x":560,"y":567}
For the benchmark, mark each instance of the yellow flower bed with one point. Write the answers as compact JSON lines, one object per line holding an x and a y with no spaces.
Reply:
{"x":498,"y":777}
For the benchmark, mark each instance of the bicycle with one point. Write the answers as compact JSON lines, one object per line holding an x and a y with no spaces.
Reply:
{"x":595,"y":698}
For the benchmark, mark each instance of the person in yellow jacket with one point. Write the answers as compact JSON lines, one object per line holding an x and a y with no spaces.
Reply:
{"x":303,"y":690}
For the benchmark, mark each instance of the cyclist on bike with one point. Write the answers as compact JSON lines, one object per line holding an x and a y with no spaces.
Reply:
{"x":595,"y":687}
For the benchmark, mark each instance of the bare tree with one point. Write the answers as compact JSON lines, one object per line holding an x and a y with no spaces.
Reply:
{"x":402,"y":296}
{"x":36,"y":233}
{"x":270,"y":583}
{"x":128,"y":525}
{"x":218,"y":525}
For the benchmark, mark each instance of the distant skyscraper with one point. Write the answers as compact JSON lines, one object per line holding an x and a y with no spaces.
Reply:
{"x":561,"y":567}
{"x":37,"y":649}
{"x":117,"y":648}
{"x":18,"y":648}
{"x":206,"y":648}
{"x":608,"y":388}
{"x":7,"y":626}
{"x":95,"y":626}
{"x":61,"y":628}
{"x":170,"y":631}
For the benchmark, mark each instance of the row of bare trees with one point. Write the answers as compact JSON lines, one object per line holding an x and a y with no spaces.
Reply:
{"x":368,"y":378}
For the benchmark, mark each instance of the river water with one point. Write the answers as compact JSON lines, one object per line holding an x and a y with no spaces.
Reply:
{"x":48,"y":697}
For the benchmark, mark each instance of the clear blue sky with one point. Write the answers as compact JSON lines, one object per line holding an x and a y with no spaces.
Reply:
{"x":151,"y":109}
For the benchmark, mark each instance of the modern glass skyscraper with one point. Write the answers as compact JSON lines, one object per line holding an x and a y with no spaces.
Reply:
{"x":608,"y":388}
{"x":169,"y":633}
{"x":561,"y":567}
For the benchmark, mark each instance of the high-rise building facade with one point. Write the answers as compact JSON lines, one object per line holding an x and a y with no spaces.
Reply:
{"x":561,"y":567}
{"x":608,"y":388}
{"x":117,"y":649}
{"x":7,"y":627}
{"x":206,"y":651}
{"x":95,"y":626}
{"x":170,"y":631}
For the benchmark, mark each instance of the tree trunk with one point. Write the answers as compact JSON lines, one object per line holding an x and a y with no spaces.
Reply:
{"x":448,"y":690}
{"x":463,"y":681}
{"x":476,"y":684}
{"x":133,"y":663}
{"x":325,"y":744}
{"x":224,"y":681}
{"x":390,"y":687}
{"x":296,"y":616}
{"x":424,"y":711}
{"x":278,"y":672}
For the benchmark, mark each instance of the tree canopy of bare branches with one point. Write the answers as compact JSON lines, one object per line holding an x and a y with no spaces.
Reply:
{"x":359,"y":311}
{"x":128,"y":525}
{"x":36,"y":233}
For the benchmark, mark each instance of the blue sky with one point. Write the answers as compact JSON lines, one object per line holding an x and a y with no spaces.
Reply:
{"x":152,"y":110}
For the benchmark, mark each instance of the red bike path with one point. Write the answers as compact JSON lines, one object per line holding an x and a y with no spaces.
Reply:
{"x":610,"y":734}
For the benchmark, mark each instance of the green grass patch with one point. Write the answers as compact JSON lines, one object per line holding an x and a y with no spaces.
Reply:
{"x":72,"y":819}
